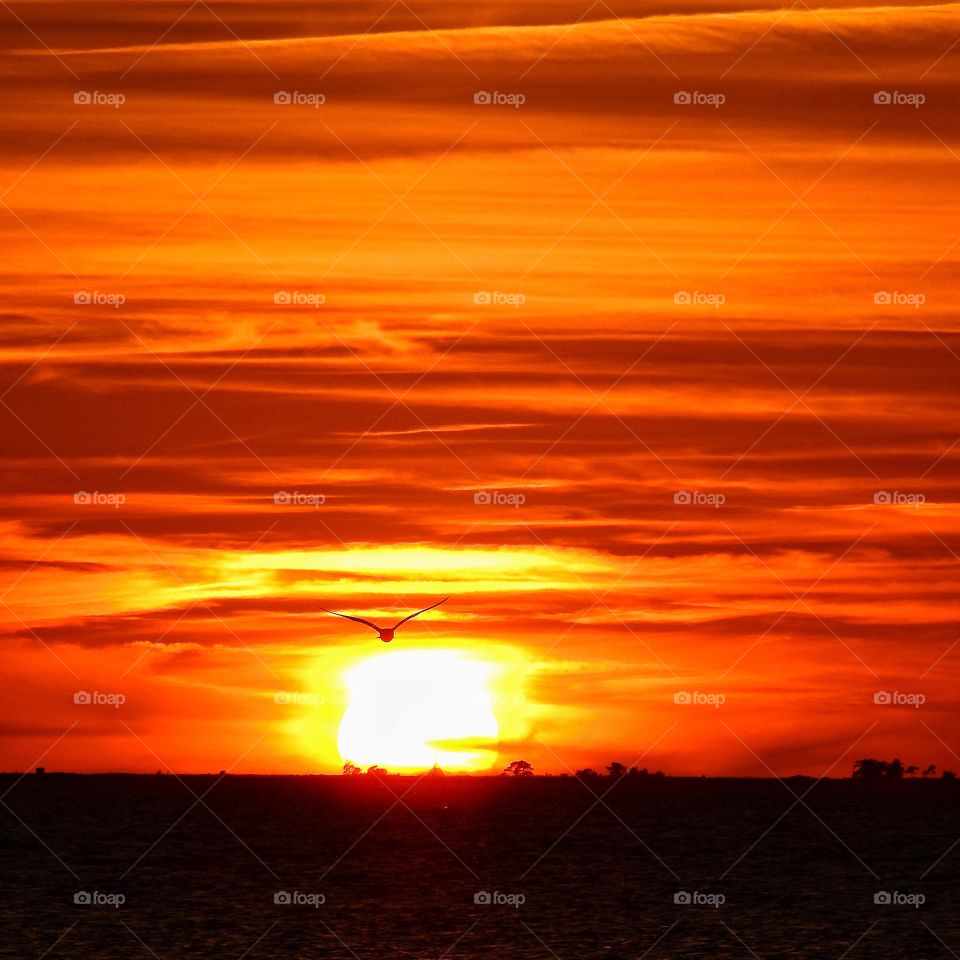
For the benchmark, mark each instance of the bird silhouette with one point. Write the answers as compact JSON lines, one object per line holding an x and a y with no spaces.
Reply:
{"x":386,"y":633}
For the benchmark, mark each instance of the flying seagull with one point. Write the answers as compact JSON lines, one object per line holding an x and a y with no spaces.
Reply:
{"x":386,"y":633}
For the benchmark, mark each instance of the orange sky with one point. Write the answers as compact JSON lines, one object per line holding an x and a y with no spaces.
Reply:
{"x":812,"y":228}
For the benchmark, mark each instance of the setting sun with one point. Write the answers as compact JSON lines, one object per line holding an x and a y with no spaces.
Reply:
{"x":410,"y":709}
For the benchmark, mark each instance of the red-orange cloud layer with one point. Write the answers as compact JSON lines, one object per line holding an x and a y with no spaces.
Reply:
{"x":689,"y":289}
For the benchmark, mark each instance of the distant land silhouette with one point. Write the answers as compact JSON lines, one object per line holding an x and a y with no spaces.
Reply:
{"x":867,"y":769}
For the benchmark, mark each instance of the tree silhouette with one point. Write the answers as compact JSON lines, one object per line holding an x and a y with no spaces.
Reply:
{"x":869,"y":769}
{"x":350,"y":769}
{"x":948,"y":775}
{"x":518,"y":768}
{"x":376,"y":771}
{"x":616,"y":770}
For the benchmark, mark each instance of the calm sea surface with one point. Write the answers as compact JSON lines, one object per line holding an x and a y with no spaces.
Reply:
{"x":316,"y":867}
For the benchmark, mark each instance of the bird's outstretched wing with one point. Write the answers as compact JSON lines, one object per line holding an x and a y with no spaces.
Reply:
{"x":348,"y":617}
{"x":424,"y":610}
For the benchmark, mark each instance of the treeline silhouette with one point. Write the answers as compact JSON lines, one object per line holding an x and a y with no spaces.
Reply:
{"x":866,"y":769}
{"x":516,"y":768}
{"x":870,"y":769}
{"x":615,"y":770}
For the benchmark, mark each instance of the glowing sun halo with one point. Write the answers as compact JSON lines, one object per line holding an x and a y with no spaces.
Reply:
{"x":407,"y":709}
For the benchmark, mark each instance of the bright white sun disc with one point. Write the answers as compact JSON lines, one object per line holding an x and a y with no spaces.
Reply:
{"x":408,"y":708}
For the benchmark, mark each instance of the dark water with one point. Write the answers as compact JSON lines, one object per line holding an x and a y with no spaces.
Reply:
{"x":399,"y":864}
